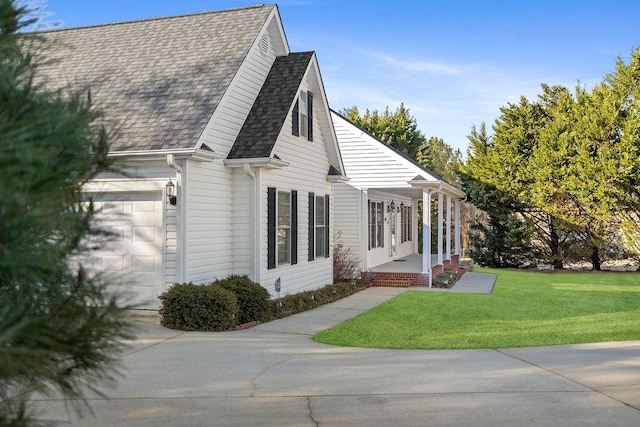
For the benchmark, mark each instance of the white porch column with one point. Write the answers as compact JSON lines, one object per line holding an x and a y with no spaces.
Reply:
{"x":364,"y":229}
{"x":448,"y":251}
{"x":426,"y":233}
{"x":440,"y":208}
{"x":457,"y":225}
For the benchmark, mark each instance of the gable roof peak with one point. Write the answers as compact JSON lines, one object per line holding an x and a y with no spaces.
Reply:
{"x":262,"y":126}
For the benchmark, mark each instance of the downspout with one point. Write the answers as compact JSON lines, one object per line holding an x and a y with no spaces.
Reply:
{"x":181,"y":250}
{"x":254,"y":220}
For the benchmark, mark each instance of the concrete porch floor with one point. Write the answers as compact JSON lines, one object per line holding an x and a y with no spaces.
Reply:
{"x":408,"y":264}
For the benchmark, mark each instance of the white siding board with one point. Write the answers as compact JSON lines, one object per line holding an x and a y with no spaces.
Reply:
{"x":242,"y":217}
{"x":347,"y":217}
{"x":227,"y":120}
{"x":208,"y":221}
{"x":306,"y":172}
{"x":368,"y":163}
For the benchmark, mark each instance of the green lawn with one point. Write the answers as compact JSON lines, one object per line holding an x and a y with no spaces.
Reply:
{"x":525,"y":309}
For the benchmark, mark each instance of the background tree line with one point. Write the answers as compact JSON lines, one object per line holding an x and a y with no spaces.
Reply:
{"x":559,"y":176}
{"x":557,"y":180}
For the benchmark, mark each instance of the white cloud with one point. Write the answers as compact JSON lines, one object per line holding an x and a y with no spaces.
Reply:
{"x":409,"y":66}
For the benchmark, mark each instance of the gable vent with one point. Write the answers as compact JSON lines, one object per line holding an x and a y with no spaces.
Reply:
{"x":264,"y":44}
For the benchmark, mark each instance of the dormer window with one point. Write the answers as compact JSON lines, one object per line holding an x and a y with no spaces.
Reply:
{"x":302,"y":116}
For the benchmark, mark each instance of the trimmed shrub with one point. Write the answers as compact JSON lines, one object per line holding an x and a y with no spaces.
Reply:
{"x":253,"y":299}
{"x":189,"y":307}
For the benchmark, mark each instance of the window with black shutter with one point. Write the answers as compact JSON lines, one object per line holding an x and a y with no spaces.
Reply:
{"x":294,"y":227}
{"x":302,"y":116}
{"x":271,"y":228}
{"x":309,"y":116}
{"x":295,"y":120}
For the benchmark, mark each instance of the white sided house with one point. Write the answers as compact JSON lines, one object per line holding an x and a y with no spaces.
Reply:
{"x":376,"y":211}
{"x":228,"y":145}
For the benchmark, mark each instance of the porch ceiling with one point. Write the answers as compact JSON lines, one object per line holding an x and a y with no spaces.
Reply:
{"x":409,"y":264}
{"x":413,"y":193}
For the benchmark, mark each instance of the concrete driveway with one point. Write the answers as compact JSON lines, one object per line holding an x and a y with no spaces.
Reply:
{"x":275,"y":375}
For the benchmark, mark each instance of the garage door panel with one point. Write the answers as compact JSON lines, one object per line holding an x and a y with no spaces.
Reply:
{"x":132,"y":255}
{"x":144,"y":234}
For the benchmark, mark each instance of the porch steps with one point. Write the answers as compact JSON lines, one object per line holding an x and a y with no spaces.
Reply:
{"x":393,"y":283}
{"x":397,"y":279}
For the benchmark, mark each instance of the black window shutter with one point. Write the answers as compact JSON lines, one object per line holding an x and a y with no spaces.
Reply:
{"x":271,"y":227}
{"x":294,"y":227}
{"x":326,"y":226}
{"x":310,"y":115}
{"x":312,"y":226}
{"x":295,"y":120}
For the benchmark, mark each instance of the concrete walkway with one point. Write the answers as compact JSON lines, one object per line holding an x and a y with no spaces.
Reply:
{"x":471,"y":282}
{"x":276,"y":375}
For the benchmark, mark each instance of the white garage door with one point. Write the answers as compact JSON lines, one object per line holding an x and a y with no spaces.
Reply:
{"x":131,"y":259}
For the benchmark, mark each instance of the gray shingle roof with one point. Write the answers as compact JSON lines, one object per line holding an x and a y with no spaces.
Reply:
{"x":159,"y":80}
{"x":269,"y":112}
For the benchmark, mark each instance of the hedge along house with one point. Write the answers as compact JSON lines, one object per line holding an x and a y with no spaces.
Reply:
{"x":228,"y":143}
{"x":376,"y":211}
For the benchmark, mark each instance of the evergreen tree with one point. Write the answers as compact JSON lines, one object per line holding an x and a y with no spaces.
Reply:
{"x":398,"y":129}
{"x":569,"y":164}
{"x":59,"y":329}
{"x":504,"y":240}
{"x":441,"y":158}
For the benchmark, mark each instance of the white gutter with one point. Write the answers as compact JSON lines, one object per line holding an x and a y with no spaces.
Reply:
{"x":255,"y":219}
{"x":181,"y":250}
{"x":337,"y":178}
{"x":262,"y":162}
{"x":192,"y":153}
{"x":171,"y":161}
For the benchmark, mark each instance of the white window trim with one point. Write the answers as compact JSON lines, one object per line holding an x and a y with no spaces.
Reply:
{"x":302,"y":112}
{"x":376,"y":221}
{"x":280,"y":193}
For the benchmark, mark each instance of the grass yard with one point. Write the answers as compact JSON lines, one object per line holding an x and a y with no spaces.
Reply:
{"x":525,"y":309}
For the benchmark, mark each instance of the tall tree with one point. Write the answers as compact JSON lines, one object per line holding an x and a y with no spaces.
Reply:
{"x":441,"y":158}
{"x":503,"y":240}
{"x":398,"y":129}
{"x":570,"y":163}
{"x":59,"y":329}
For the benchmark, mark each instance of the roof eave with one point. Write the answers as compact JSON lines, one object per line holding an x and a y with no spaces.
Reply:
{"x":440,"y":186}
{"x":337,"y":178}
{"x":196,"y":154}
{"x":257,"y":162}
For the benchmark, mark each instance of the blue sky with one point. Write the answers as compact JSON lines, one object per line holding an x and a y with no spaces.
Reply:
{"x":453,"y":63}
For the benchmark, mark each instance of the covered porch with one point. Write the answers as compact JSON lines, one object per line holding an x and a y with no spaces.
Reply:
{"x":410,"y":271}
{"x":441,"y":240}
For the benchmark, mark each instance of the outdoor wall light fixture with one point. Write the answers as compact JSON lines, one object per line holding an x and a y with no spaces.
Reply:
{"x":171,"y":192}
{"x":392,"y":207}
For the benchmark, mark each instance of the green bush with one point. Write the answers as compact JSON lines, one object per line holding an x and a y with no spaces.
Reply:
{"x":189,"y":307}
{"x":253,"y":299}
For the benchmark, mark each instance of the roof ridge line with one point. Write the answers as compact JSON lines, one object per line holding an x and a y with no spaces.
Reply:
{"x":158,"y":18}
